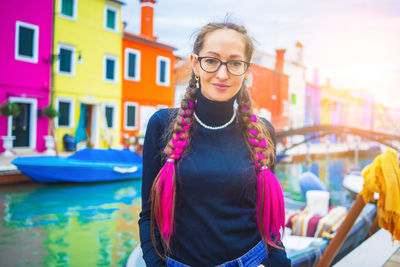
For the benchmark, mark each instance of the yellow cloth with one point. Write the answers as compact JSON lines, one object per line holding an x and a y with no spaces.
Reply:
{"x":383,"y":176}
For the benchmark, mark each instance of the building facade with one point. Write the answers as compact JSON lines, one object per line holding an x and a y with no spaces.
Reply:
{"x":25,"y":57}
{"x":86,"y":71}
{"x":147,"y":78}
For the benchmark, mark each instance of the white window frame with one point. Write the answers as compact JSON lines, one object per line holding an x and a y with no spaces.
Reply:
{"x":35,"y":28}
{"x":126,"y":127}
{"x":114,"y":122}
{"x":71,"y":101}
{"x":116,"y":10}
{"x":167,"y":71}
{"x":116,"y":73}
{"x":73,"y":59}
{"x":137,"y":66}
{"x":75,"y":11}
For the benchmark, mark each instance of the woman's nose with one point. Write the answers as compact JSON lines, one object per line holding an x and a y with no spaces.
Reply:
{"x":222,"y":72}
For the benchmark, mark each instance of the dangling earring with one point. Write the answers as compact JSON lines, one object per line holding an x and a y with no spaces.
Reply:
{"x":197,"y":81}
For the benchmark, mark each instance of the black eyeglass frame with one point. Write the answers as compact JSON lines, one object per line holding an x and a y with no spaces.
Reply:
{"x":247,"y":64}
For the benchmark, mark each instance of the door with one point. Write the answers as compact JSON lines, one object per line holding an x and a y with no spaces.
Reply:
{"x":21,"y":126}
{"x":88,"y":123}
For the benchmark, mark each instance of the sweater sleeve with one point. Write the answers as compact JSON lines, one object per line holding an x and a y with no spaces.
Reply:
{"x":151,"y":167}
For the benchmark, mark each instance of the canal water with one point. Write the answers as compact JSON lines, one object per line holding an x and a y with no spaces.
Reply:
{"x":96,"y":224}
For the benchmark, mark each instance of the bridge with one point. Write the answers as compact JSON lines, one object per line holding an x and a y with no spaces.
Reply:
{"x":312,"y":132}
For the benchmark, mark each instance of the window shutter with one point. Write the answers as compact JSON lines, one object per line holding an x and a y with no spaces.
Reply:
{"x":110,"y":69}
{"x":63,"y":108}
{"x":131,"y":116}
{"x":132,"y":65}
{"x":67,"y":8}
{"x":294,"y":99}
{"x":163,"y":65}
{"x":25,"y":46}
{"x":65,"y":60}
{"x":110,"y":19}
{"x":109,"y":116}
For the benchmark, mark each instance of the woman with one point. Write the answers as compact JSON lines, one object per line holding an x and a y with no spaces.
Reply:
{"x":208,"y":194}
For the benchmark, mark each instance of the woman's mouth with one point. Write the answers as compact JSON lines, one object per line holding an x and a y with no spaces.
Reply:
{"x":220,"y":86}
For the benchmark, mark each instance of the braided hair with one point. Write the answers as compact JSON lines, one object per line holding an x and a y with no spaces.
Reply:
{"x":270,"y":204}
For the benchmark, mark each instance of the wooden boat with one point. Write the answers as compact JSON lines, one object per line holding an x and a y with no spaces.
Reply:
{"x":84,"y":166}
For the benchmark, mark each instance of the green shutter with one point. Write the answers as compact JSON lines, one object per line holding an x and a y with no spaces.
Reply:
{"x":110,"y":19}
{"x":67,"y":8}
{"x":65,"y":60}
{"x":110,"y":69}
{"x":132,"y":65}
{"x":63,"y":109}
{"x":131,"y":116}
{"x":163,"y":66}
{"x":109,"y":116}
{"x":294,"y":99}
{"x":25,"y":46}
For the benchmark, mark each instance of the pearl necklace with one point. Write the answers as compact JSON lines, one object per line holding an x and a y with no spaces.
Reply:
{"x":216,"y":127}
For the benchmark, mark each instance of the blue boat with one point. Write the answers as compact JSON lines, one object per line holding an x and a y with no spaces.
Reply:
{"x":84,"y":166}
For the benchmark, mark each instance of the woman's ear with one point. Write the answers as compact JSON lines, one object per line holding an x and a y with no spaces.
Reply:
{"x":248,"y":71}
{"x":195,"y":64}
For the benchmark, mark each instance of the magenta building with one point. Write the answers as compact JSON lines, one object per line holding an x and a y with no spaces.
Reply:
{"x":25,"y":52}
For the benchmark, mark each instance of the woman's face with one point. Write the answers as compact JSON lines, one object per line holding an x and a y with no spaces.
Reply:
{"x":224,"y":44}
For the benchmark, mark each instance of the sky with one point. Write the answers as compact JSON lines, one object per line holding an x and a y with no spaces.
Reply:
{"x":354,"y":43}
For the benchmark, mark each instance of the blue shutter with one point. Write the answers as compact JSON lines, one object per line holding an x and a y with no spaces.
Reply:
{"x":110,"y":64}
{"x":25,"y":46}
{"x":132,"y":65}
{"x":163,"y":66}
{"x":65,"y":60}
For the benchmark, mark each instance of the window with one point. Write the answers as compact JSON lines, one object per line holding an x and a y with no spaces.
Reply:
{"x":66,"y":60}
{"x":294,"y":99}
{"x":65,"y":107}
{"x":26,"y":42}
{"x":130,"y":118}
{"x":68,"y":9}
{"x":110,"y":115}
{"x":110,"y":68}
{"x":111,"y":18}
{"x":132,"y":64}
{"x":163,"y":71}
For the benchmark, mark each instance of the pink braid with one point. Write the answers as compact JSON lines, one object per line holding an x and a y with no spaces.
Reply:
{"x":270,"y":200}
{"x":163,"y":190}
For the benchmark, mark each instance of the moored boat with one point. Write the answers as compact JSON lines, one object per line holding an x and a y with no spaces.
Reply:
{"x":84,"y":166}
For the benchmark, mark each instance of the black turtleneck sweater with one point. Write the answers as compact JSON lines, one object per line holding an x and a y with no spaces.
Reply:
{"x":215,"y":210}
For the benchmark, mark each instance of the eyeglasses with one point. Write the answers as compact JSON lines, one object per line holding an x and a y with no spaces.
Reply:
{"x":235,"y":67}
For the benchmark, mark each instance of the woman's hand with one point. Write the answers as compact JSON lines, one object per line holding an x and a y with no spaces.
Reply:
{"x":260,"y":265}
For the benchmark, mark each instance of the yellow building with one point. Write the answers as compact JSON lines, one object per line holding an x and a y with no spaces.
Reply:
{"x":86,"y":71}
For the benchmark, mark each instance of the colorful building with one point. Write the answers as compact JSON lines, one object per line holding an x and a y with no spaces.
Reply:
{"x":295,"y":70}
{"x":26,"y":27}
{"x":147,"y":77}
{"x":86,"y":71}
{"x":269,"y":92}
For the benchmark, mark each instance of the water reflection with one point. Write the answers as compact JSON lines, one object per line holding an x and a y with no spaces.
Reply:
{"x":69,"y":225}
{"x":96,"y":224}
{"x":330,"y":171}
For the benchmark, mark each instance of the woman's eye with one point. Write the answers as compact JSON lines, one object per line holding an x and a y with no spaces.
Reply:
{"x":236,"y":63}
{"x":211,"y":61}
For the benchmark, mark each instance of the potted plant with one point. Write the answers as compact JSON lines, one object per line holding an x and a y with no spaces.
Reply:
{"x":51,"y":145}
{"x":10,"y":110}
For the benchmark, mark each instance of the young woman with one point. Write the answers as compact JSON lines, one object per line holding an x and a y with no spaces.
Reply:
{"x":209,"y":195}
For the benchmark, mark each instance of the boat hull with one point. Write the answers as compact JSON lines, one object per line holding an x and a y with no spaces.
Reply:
{"x":72,"y":169}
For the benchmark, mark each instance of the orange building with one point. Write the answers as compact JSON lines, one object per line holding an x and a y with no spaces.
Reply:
{"x":269,"y":92}
{"x":147,"y":76}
